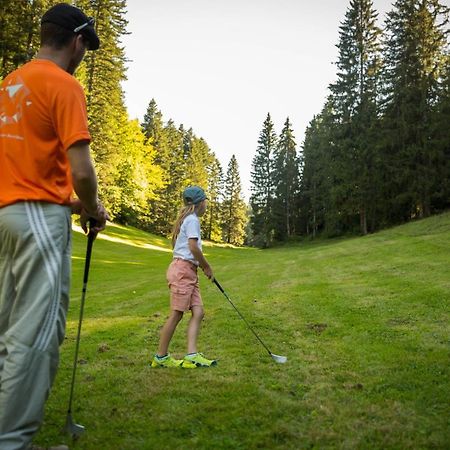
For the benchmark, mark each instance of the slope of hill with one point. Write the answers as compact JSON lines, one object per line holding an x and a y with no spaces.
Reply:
{"x":363,"y":321}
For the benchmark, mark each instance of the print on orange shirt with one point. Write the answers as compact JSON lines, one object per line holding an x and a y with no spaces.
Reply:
{"x":13,"y":98}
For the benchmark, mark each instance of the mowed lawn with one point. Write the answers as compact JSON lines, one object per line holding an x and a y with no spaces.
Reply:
{"x":363,"y":321}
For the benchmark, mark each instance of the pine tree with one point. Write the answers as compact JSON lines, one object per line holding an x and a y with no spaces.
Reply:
{"x":101,"y":74}
{"x":212,"y":220}
{"x":262,"y":185}
{"x":286,"y":185}
{"x":176,"y":168}
{"x":234,"y":209}
{"x":170,"y":157}
{"x":355,"y":104}
{"x":440,"y":141}
{"x":160,"y":209}
{"x":316,"y":174}
{"x":197,"y":162}
{"x":138,"y":178}
{"x":415,"y":53}
{"x":19,"y":31}
{"x":152,"y":125}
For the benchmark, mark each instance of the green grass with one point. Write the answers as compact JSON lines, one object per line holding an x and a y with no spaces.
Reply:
{"x":363,"y":321}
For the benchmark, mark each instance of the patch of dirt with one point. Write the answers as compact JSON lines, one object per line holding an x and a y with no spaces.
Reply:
{"x":102,"y":348}
{"x":398,"y":321}
{"x":317,"y":327}
{"x":355,"y":386}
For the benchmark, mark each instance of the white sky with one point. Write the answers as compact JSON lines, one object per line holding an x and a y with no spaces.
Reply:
{"x":219,"y":66}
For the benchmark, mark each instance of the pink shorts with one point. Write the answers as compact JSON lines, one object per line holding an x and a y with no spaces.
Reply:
{"x":183,"y":284}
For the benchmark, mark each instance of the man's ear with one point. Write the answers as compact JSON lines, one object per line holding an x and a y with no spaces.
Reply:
{"x":79,"y":41}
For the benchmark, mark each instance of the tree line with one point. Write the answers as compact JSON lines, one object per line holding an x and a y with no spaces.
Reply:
{"x":378,"y":154}
{"x":184,"y":159}
{"x":142,"y":168}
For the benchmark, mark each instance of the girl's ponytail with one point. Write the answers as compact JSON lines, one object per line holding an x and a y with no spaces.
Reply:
{"x":184,"y":212}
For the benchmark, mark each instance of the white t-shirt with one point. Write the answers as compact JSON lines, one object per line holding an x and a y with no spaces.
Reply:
{"x":190,"y":228}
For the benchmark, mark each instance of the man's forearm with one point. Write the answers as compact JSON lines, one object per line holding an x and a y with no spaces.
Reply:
{"x":85,"y":187}
{"x":84,"y":178}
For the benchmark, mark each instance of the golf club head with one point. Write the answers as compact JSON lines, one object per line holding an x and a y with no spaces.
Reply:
{"x":72,"y":428}
{"x":279,"y":359}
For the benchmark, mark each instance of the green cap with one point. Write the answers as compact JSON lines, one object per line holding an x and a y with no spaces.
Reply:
{"x":193,"y":195}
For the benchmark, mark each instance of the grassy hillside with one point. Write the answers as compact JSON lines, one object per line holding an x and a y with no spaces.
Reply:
{"x":364,"y":323}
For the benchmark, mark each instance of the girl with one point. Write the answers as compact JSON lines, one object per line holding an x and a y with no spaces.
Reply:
{"x":183,"y":283}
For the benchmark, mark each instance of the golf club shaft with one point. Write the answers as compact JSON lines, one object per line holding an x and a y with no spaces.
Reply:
{"x":90,"y":242}
{"x":241,"y":316}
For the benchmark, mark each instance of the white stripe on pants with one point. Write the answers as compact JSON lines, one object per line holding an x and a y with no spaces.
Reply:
{"x":35,"y":264}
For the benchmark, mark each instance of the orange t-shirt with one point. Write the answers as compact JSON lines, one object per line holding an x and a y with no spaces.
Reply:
{"x":42,"y":114}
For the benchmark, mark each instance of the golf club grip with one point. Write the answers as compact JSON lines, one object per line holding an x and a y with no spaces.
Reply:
{"x":90,"y":243}
{"x":91,"y":223}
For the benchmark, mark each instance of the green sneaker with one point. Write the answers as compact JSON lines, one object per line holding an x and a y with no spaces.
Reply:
{"x":166,"y":361}
{"x":185,"y":364}
{"x":199,"y":360}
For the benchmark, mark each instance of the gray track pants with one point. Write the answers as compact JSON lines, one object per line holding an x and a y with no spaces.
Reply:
{"x":35,"y":264}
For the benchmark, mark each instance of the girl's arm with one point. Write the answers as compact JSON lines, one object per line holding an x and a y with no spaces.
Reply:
{"x":198,"y":255}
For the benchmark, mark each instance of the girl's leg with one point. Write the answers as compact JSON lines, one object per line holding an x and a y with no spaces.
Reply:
{"x":167,"y":331}
{"x":194,"y":328}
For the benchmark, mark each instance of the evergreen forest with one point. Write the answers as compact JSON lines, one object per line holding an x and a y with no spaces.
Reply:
{"x":376,"y":155}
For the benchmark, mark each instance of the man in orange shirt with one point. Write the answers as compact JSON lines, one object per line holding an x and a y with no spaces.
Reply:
{"x":44,"y":156}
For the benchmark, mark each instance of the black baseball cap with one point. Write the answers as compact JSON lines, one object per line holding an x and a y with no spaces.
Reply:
{"x":72,"y":18}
